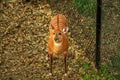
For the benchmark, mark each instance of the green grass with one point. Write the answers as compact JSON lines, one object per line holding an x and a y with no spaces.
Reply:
{"x":115,"y":60}
{"x":85,"y":7}
{"x":89,"y":74}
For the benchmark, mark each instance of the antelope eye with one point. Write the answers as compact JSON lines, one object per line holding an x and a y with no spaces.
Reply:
{"x":59,"y":34}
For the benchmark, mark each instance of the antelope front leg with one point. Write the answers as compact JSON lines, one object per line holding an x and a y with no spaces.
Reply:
{"x":65,"y":63}
{"x":51,"y":61}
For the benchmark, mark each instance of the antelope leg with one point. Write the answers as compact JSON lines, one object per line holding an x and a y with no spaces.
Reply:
{"x":51,"y":61}
{"x":65,"y":64}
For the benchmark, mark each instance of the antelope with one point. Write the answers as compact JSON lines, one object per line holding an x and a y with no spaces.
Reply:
{"x":58,"y":40}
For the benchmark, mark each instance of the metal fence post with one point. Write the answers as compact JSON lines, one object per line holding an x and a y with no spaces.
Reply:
{"x":98,"y":33}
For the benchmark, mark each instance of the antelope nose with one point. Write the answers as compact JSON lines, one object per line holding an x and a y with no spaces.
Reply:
{"x":56,"y":39}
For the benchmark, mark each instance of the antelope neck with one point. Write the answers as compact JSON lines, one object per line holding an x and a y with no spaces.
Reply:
{"x":57,"y":44}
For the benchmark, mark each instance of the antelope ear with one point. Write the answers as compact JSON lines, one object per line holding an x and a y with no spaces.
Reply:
{"x":51,"y":26}
{"x":65,"y":30}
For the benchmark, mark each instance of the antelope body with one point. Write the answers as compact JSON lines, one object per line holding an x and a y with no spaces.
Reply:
{"x":58,"y":41}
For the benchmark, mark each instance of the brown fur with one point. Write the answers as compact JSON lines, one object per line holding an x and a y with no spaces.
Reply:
{"x":57,"y":23}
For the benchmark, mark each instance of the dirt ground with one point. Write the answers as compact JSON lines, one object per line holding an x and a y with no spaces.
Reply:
{"x":24,"y":34}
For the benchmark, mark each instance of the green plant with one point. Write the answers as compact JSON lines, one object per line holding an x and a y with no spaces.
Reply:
{"x":89,"y":74}
{"x":115,"y":60}
{"x":85,"y":7}
{"x":106,"y":73}
{"x":117,"y":75}
{"x":86,"y":65}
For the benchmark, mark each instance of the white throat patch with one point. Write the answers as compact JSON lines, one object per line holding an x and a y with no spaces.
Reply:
{"x":58,"y":44}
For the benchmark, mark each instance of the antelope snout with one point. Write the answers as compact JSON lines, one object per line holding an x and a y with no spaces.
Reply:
{"x":56,"y":39}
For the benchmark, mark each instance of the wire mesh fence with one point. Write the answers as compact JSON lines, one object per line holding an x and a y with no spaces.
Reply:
{"x":111,"y":34}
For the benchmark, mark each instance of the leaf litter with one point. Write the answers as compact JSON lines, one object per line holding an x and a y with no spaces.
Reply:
{"x":23,"y":46}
